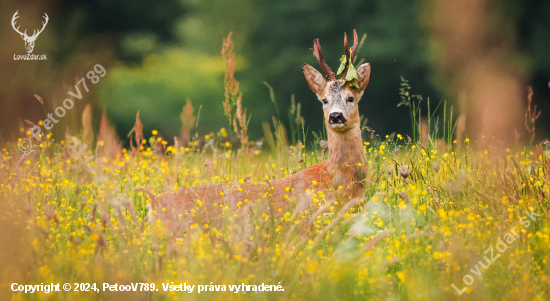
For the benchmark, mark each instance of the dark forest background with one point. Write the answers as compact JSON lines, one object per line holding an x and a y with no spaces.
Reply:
{"x":161,"y":54}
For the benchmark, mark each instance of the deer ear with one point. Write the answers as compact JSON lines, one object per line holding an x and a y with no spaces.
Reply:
{"x":363,"y":72}
{"x":314,"y":79}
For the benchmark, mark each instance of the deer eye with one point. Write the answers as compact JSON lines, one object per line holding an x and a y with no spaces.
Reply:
{"x":350,"y":99}
{"x":325,"y":101}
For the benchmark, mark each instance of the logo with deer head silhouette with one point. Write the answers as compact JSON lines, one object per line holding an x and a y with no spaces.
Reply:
{"x":29,"y":41}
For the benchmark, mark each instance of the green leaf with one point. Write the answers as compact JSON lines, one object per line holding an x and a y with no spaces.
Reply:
{"x":352,"y":73}
{"x":354,"y":83}
{"x":343,"y":59}
{"x":342,"y":67}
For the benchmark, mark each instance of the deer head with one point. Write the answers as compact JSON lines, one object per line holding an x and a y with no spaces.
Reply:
{"x":29,"y":41}
{"x":340,"y":99}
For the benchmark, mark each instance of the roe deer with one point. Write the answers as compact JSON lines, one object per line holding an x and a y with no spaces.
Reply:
{"x":342,"y":176}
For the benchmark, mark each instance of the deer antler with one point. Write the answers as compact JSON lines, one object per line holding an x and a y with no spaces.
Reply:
{"x":350,"y":57}
{"x":15,"y":16}
{"x":319,"y":56}
{"x":43,"y":26}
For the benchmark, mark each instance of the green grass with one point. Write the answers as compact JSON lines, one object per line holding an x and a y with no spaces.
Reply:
{"x":70,"y":216}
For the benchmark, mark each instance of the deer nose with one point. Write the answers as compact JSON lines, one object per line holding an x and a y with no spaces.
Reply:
{"x":336,"y":117}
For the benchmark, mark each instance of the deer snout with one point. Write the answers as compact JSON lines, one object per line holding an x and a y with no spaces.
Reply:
{"x":336,"y":117}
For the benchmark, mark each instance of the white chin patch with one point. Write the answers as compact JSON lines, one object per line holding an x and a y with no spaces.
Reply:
{"x":337,"y":125}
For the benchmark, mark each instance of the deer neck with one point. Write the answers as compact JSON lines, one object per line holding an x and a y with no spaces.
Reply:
{"x":346,"y":159}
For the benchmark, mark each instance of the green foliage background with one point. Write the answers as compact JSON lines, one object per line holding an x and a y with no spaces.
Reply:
{"x":158,"y":54}
{"x":273,"y":40}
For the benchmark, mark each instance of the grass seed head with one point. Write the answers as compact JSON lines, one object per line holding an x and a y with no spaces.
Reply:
{"x":405,"y":171}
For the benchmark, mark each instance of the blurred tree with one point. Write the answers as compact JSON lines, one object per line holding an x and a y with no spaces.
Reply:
{"x":138,"y":26}
{"x":276,"y":37}
{"x":534,"y":40}
{"x":394,"y":47}
{"x":79,"y":35}
{"x":272,"y":41}
{"x":488,"y":59}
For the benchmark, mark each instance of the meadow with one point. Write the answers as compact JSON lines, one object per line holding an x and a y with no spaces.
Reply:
{"x":75,"y":211}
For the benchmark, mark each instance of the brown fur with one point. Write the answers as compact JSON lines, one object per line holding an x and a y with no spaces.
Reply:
{"x":274,"y":191}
